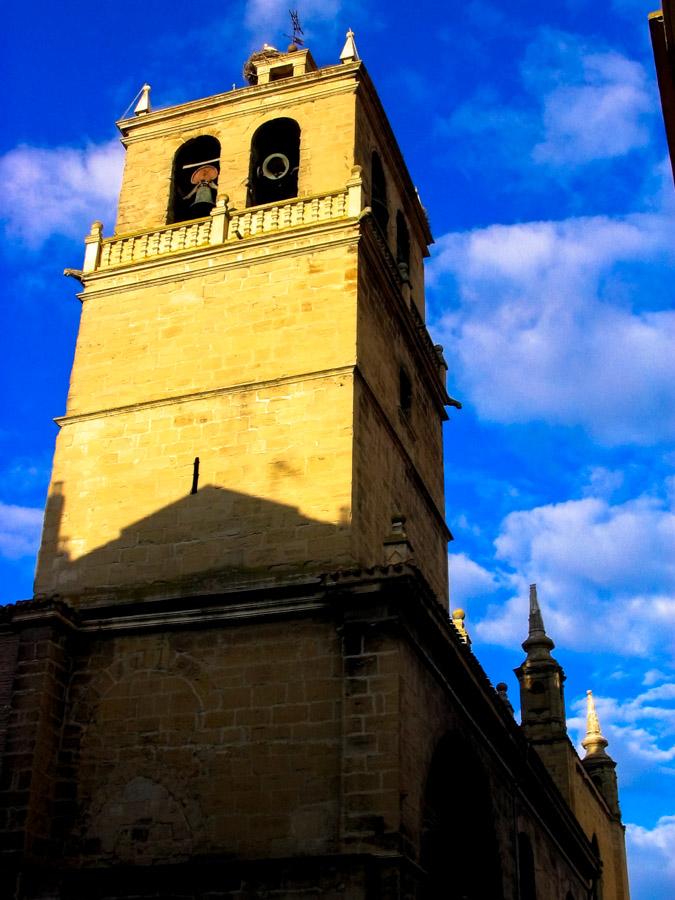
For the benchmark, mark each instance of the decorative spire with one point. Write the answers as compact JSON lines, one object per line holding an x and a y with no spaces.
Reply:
{"x":597,"y":762}
{"x":538,"y":643}
{"x":349,"y":51}
{"x":143,"y":106}
{"x":594,"y":743}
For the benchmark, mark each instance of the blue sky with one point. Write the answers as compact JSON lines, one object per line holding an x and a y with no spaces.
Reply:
{"x":534,"y":137}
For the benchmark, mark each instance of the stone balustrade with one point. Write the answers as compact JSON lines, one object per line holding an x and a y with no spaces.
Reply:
{"x":289,"y":214}
{"x":136,"y":247}
{"x":223,"y":225}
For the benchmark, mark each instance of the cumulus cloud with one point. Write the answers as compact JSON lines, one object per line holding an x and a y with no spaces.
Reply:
{"x":651,"y":859}
{"x":58,"y":190}
{"x":593,"y":105}
{"x":574,"y":103}
{"x":552,"y":321}
{"x":605,"y":574}
{"x":20,"y":529}
{"x":468,"y":580}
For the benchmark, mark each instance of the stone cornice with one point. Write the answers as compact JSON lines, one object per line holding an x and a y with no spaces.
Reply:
{"x":330,"y":81}
{"x":202,"y":395}
{"x":215,"y":257}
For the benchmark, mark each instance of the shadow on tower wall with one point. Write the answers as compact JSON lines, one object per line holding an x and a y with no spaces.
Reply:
{"x":205,"y":542}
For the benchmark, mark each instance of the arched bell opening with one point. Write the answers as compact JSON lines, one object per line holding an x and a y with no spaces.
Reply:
{"x":194,"y":182}
{"x":402,"y":246}
{"x":459,"y":850}
{"x":378,"y":193}
{"x":275,"y":162}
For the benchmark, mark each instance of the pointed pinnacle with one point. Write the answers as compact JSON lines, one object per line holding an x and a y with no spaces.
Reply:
{"x":594,"y":743}
{"x":536,"y":621}
{"x":143,"y":106}
{"x":349,"y":51}
{"x":537,"y":639}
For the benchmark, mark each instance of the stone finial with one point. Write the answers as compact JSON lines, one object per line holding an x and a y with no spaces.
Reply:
{"x":92,"y":247}
{"x":397,"y":547}
{"x":143,"y":106}
{"x":349,"y":51}
{"x":538,"y":643}
{"x":594,"y":743}
{"x":502,"y":693}
{"x":458,"y":617}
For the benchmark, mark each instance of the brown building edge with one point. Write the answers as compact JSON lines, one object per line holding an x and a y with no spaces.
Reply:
{"x":661,"y":30}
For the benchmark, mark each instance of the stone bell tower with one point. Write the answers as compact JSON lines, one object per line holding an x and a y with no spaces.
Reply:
{"x":238,"y":677}
{"x":254,"y":396}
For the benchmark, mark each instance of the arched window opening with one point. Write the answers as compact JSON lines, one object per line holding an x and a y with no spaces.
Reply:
{"x":378,"y":191}
{"x":457,"y":825}
{"x":596,"y":891}
{"x":526,"y":879}
{"x":275,"y":161}
{"x":402,"y":246}
{"x":194,"y":185}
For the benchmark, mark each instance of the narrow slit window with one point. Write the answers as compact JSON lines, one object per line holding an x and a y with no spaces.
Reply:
{"x":378,"y":193}
{"x":405,"y":392}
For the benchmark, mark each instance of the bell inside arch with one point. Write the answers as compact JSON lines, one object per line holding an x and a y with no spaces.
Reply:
{"x":203,"y":194}
{"x":194,"y":180}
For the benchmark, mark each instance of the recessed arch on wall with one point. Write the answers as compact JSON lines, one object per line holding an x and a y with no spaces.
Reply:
{"x":457,"y":825}
{"x":275,"y":162}
{"x":378,"y":192}
{"x":596,"y":892}
{"x":194,"y":179}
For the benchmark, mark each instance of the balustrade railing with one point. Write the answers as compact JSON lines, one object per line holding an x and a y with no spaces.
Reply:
{"x":136,"y":247}
{"x":224,"y":225}
{"x":289,"y":214}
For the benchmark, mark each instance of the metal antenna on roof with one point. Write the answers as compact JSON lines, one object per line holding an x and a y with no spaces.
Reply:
{"x":296,"y":28}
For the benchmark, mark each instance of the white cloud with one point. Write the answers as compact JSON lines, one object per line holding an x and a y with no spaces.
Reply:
{"x":651,"y":860}
{"x":653,"y":676}
{"x":599,"y":109}
{"x":605,"y":574}
{"x":58,"y":190}
{"x":468,"y":580}
{"x":573,"y":103}
{"x":554,"y":308}
{"x":20,"y":529}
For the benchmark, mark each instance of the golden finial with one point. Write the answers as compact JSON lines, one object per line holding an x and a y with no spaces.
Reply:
{"x":458,"y":617}
{"x":594,"y":743}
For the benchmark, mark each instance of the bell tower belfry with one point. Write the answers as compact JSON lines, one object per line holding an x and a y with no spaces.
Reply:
{"x":260,"y":309}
